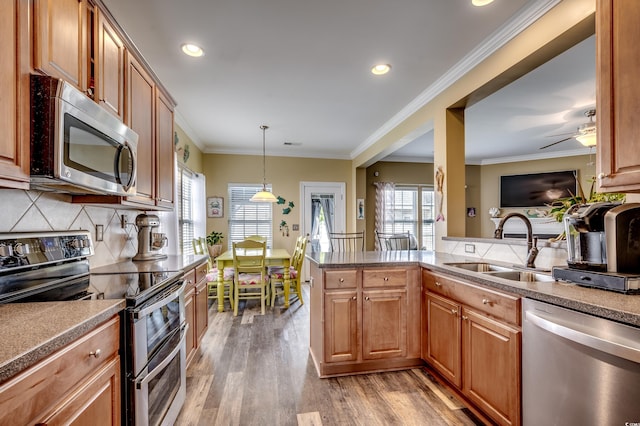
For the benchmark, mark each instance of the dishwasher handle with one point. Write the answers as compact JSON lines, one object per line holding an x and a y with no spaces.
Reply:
{"x":607,"y":346}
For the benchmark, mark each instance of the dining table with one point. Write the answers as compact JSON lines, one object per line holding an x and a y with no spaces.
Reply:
{"x":273,"y":257}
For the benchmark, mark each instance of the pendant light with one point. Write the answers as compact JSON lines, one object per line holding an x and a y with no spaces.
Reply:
{"x":264,"y":196}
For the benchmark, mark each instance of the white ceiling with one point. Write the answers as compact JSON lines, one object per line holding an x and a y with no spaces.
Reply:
{"x":302,"y":68}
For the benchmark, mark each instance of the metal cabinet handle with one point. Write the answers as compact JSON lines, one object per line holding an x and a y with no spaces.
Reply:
{"x":366,"y":298}
{"x":341,"y":280}
{"x":96,"y":353}
{"x":454,"y":311}
{"x":438,"y":284}
{"x":486,"y":302}
{"x":601,"y":175}
{"x":464,"y":317}
{"x":354,"y":298}
{"x":385,"y":279}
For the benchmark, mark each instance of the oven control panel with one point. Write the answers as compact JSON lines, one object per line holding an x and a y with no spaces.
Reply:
{"x":31,"y":249}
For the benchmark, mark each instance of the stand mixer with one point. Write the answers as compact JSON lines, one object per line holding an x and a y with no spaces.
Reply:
{"x":149,"y":242}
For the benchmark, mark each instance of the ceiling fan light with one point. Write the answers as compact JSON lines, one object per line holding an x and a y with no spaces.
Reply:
{"x":588,"y":139}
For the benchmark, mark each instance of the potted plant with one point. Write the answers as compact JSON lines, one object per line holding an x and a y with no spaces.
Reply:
{"x":214,"y":243}
{"x":561,"y":205}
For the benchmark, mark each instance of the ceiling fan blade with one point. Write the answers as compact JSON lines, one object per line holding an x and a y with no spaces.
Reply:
{"x":557,"y":142}
{"x":560,"y":134}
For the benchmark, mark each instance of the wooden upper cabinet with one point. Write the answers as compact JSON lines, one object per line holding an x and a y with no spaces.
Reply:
{"x":60,"y":39}
{"x":165,"y":151}
{"x":140,"y":117}
{"x":110,"y":66}
{"x":618,"y":95}
{"x":14,"y":157}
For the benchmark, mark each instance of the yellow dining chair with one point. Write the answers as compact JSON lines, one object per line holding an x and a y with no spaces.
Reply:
{"x":276,"y":275}
{"x":259,"y":238}
{"x":200,"y":247}
{"x":250,"y":274}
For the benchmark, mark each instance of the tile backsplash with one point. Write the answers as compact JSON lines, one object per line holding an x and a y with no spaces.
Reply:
{"x":34,"y":211}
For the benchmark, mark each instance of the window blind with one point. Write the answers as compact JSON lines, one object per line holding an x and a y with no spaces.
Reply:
{"x":413,"y":211}
{"x":185,"y":210}
{"x":248,"y":218}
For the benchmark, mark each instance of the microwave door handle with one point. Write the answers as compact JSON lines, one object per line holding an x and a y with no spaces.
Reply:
{"x":126,"y":186}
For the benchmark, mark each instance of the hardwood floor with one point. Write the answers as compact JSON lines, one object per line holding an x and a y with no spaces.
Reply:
{"x":256,"y":370}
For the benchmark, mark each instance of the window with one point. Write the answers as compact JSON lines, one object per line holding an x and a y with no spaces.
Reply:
{"x":246,"y":217}
{"x":185,"y":210}
{"x":412,"y":211}
{"x":191,"y":208}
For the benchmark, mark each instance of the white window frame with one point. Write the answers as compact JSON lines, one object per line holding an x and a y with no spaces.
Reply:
{"x":246,"y":217}
{"x":413,"y":209}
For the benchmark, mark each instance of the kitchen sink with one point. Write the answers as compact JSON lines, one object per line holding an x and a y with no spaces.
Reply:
{"x":525,"y":276}
{"x":480,"y":267}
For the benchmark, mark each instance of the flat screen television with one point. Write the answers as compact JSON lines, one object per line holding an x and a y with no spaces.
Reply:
{"x":536,"y":189}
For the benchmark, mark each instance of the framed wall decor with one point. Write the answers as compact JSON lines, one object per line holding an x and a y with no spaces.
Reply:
{"x":215,"y":207}
{"x":360,"y":208}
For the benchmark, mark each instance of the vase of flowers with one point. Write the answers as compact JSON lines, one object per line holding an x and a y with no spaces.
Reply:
{"x":214,"y":243}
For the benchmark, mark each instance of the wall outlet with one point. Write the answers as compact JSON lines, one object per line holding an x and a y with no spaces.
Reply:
{"x":469,"y":248}
{"x":295,"y":227}
{"x":99,"y":232}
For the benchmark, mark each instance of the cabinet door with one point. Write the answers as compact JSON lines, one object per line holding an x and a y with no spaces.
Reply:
{"x":110,"y":66}
{"x":202,"y":314}
{"x":444,"y":337}
{"x":340,"y":326}
{"x":492,"y":366}
{"x":384,"y":324}
{"x":14,"y":161}
{"x":165,"y":151}
{"x":96,"y":403}
{"x":60,"y":39}
{"x":618,"y":95}
{"x":190,"y":319}
{"x":140,"y":117}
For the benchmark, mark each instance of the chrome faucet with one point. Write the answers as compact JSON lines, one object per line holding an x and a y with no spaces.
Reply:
{"x":532,"y":242}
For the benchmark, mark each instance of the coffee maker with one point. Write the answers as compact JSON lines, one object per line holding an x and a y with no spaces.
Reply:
{"x":149,"y":241}
{"x":603,"y":246}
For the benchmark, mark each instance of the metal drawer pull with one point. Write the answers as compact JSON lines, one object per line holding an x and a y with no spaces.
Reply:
{"x":385,"y":279}
{"x":438,"y":284}
{"x":96,"y":353}
{"x":341,"y":280}
{"x":366,"y":298}
{"x":354,"y":298}
{"x":464,"y":317}
{"x":487,"y":302}
{"x":454,"y":311}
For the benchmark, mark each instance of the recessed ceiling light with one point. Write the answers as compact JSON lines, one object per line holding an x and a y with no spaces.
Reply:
{"x":192,"y":50}
{"x":381,"y":69}
{"x":481,"y":2}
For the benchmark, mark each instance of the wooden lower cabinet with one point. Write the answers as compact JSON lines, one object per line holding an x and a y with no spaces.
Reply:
{"x":196,"y":305}
{"x":77,"y":385}
{"x":477,"y":350}
{"x":365,"y":319}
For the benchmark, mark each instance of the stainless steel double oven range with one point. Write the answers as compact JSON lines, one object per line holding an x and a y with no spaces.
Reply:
{"x":54,"y":266}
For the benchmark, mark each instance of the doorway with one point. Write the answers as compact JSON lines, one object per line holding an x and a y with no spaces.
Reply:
{"x":323,"y":211}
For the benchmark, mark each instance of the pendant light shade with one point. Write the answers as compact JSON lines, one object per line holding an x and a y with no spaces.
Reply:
{"x":264,"y":196}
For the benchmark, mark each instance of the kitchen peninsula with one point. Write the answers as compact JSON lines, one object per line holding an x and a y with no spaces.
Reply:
{"x":379,"y":311}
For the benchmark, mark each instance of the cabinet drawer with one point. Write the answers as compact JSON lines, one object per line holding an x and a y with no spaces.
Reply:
{"x":347,"y":278}
{"x":47,"y":382}
{"x":201,"y":271}
{"x":499,"y":305}
{"x":190,"y":278}
{"x":385,"y":278}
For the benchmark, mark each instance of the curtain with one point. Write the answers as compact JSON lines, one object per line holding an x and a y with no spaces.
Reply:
{"x":384,"y":208}
{"x":315,"y":224}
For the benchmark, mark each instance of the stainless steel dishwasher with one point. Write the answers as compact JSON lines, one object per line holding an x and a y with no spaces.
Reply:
{"x":578,"y":369}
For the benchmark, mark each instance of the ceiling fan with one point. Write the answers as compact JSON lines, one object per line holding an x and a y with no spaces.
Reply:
{"x":586,"y":133}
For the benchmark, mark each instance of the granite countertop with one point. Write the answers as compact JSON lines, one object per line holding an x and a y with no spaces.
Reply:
{"x":606,"y":304}
{"x":30,"y":332}
{"x":170,"y":264}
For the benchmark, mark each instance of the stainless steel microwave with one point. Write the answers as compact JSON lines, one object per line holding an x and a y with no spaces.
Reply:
{"x":77,"y":146}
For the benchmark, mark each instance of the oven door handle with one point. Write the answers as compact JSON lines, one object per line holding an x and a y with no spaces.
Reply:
{"x":140,"y":383}
{"x":143,"y":311}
